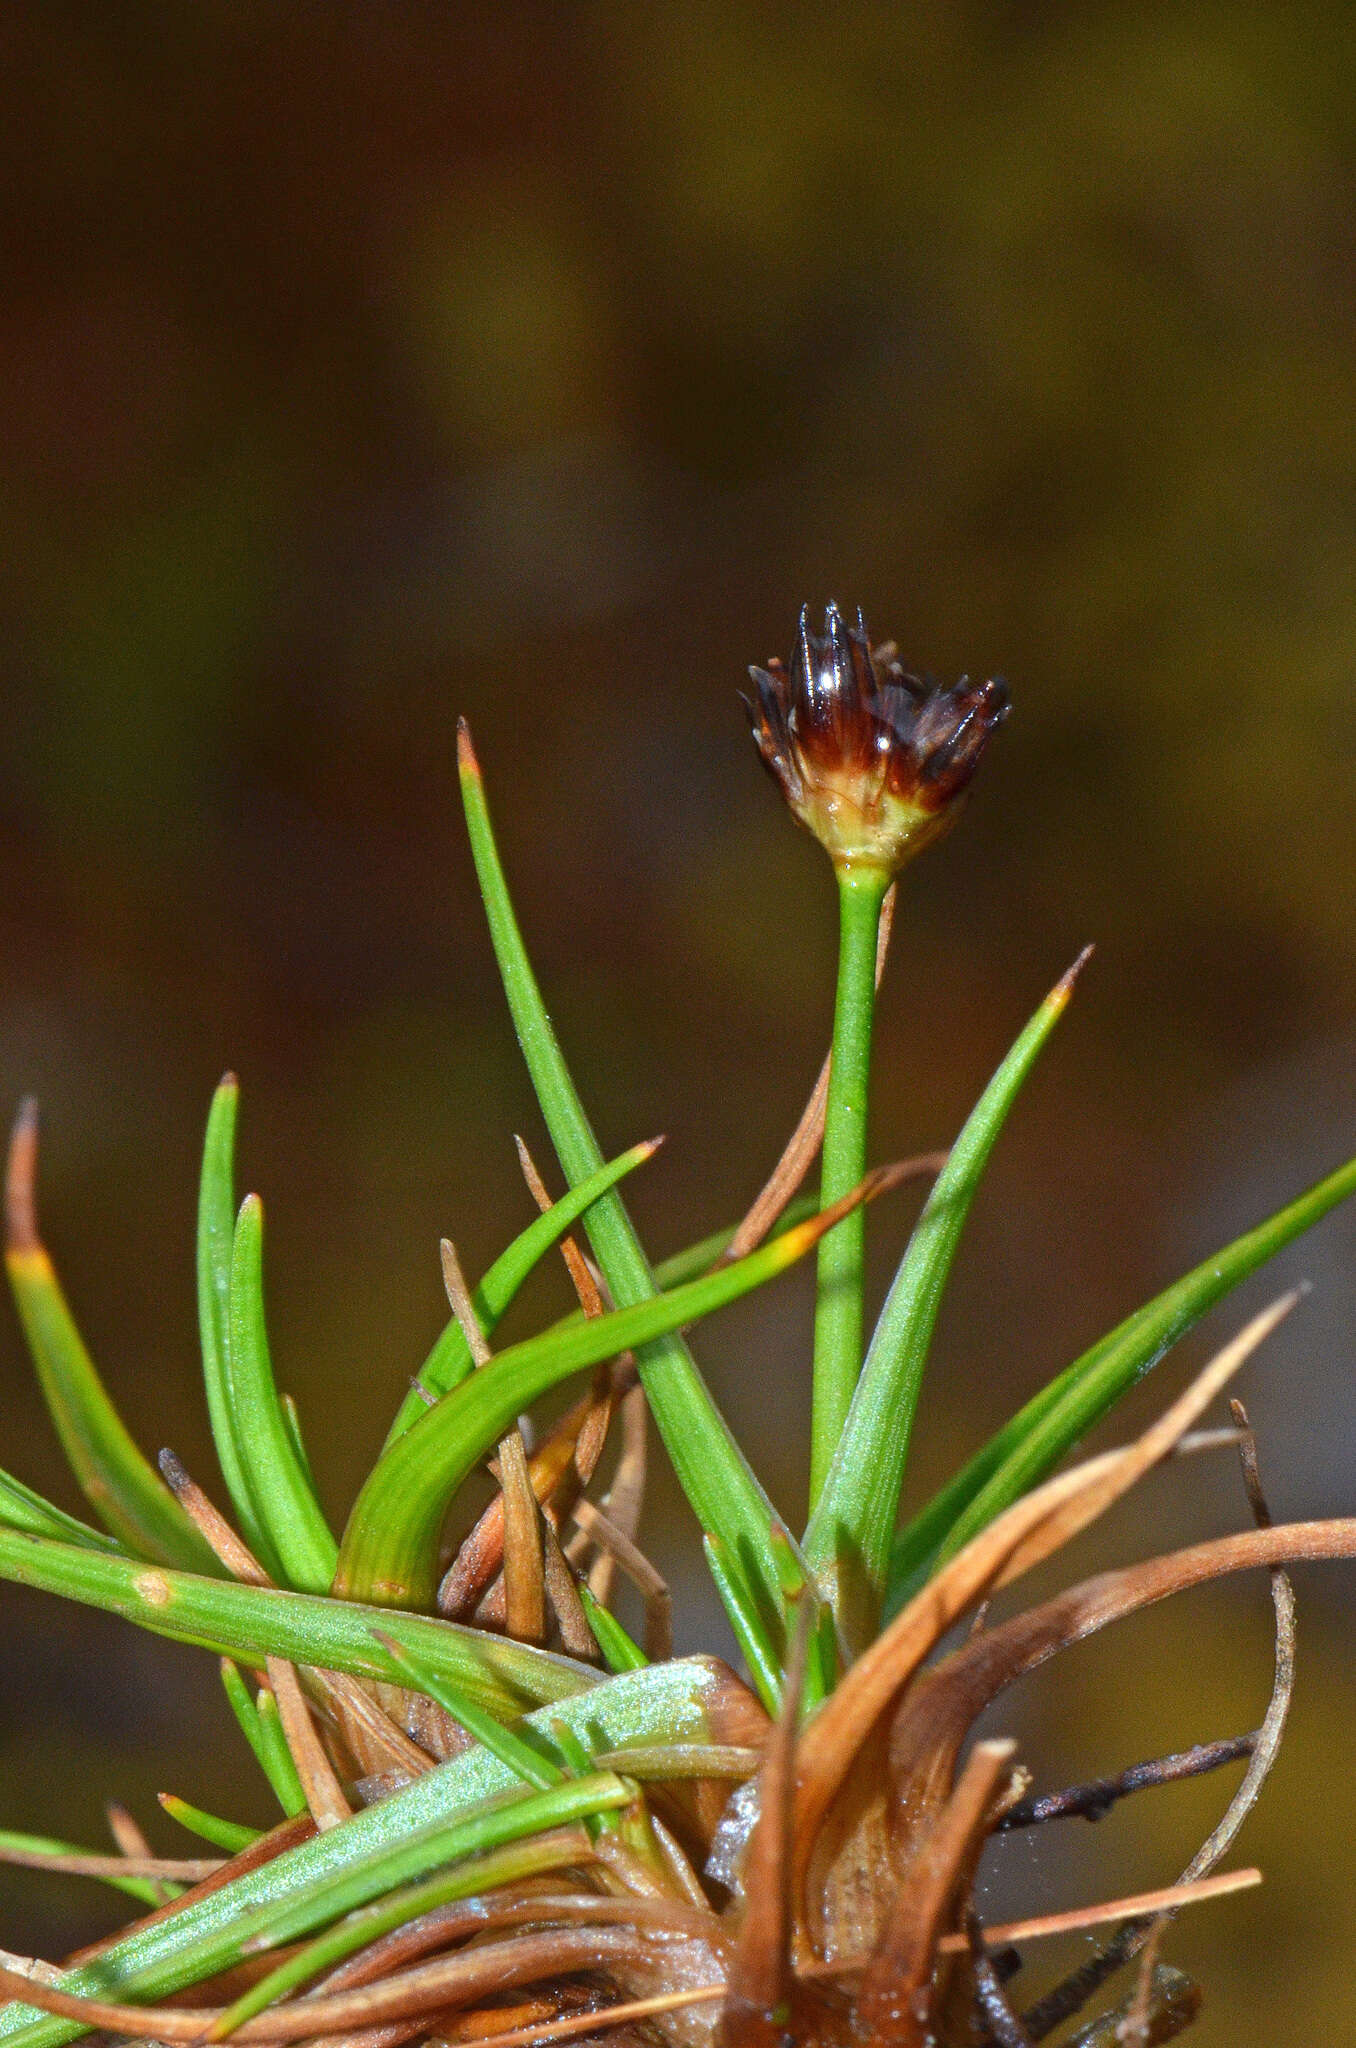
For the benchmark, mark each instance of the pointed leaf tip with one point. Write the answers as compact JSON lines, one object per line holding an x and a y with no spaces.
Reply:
{"x":1064,"y":987}
{"x":466,"y":753}
{"x":21,"y":1217}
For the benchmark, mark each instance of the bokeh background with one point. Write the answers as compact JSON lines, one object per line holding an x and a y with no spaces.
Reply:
{"x":362,"y":366}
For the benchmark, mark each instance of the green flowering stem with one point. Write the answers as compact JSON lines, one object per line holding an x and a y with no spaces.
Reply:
{"x":839,"y":1308}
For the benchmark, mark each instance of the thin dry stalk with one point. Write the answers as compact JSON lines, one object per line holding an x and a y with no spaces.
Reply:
{"x":1074,"y":1992}
{"x":174,"y":1869}
{"x":1002,"y":2025}
{"x":229,"y":1548}
{"x":324,"y":1794}
{"x":624,"y":1501}
{"x":524,"y":1574}
{"x":1092,"y":1800}
{"x":1022,"y":1537}
{"x":577,"y":1638}
{"x":131,"y":1843}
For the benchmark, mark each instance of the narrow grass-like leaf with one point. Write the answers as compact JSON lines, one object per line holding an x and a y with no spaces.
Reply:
{"x":484,"y":1873}
{"x":253,"y":1622}
{"x":275,"y":1754}
{"x":711,"y":1468}
{"x":284,"y":1500}
{"x":242,"y":1705}
{"x":701,"y":1256}
{"x":516,"y":1754}
{"x":620,"y":1651}
{"x":216,"y":1243}
{"x":449,"y":1362}
{"x":125,"y":1491}
{"x":849,"y":1539}
{"x":1039,"y":1435}
{"x":150,"y":1891}
{"x":230,"y":1835}
{"x":758,"y":1650}
{"x":330,"y":1887}
{"x":291,"y":1415}
{"x":22,"y":1508}
{"x":457,"y":1810}
{"x":390,"y":1548}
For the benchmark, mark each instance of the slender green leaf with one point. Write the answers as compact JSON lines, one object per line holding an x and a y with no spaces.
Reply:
{"x":1032,"y":1444}
{"x":242,"y":1705}
{"x":230,"y":1835}
{"x":275,"y":1754}
{"x":578,"y":1764}
{"x":698,"y":1258}
{"x":255,"y":1622}
{"x":264,"y":1734}
{"x":150,"y":1891}
{"x":390,"y":1547}
{"x":513,"y":1751}
{"x":332,"y":1887}
{"x":620,"y":1651}
{"x":216,"y":1243}
{"x":449,"y":1362}
{"x":555,"y":1850}
{"x":125,"y":1491}
{"x":849,"y":1538}
{"x":756,"y":1646}
{"x":284,"y":1499}
{"x":731,"y":1761}
{"x":22,"y":1508}
{"x":711,"y":1468}
{"x":291,"y":1415}
{"x":458,"y":1810}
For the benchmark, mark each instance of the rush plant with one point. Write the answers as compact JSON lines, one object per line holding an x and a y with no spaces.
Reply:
{"x":502,"y":1818}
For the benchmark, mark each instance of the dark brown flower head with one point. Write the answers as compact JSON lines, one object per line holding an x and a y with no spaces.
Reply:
{"x":872,"y":760}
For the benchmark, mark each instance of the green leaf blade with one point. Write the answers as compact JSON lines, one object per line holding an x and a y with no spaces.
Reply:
{"x":460,"y":1809}
{"x":390,"y":1548}
{"x":255,"y":1622}
{"x":274,"y":1474}
{"x":450,"y":1361}
{"x":1032,"y":1444}
{"x":120,"y":1484}
{"x":230,"y":1835}
{"x":712,"y":1470}
{"x":22,"y":1508}
{"x":215,"y":1247}
{"x":849,"y":1539}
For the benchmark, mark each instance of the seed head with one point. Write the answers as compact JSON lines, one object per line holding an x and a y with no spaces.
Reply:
{"x":871,"y":759}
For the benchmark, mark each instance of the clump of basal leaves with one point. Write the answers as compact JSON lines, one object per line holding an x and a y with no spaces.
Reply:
{"x":501,"y":1818}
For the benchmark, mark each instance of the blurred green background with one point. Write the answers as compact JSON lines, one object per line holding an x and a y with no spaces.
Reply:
{"x":360,"y":366}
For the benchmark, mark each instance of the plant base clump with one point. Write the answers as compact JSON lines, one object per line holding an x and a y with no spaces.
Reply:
{"x":504,"y":1820}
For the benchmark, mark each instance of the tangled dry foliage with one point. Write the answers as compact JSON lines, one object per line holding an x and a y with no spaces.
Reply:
{"x":807,"y":1881}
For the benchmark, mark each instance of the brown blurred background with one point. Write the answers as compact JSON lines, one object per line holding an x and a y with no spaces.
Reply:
{"x":364,"y":365}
